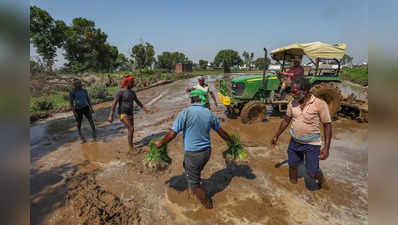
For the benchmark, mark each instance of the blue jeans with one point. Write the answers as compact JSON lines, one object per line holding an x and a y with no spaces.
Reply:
{"x":297,"y":153}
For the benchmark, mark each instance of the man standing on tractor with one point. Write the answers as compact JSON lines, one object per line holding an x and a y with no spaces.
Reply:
{"x":196,"y":122}
{"x":307,"y":113}
{"x":126,"y":97}
{"x":296,"y":71}
{"x":80,"y":104}
{"x":204,"y":87}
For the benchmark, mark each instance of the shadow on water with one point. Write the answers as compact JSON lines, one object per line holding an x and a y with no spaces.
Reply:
{"x":218,"y":180}
{"x":51,"y":142}
{"x":61,"y":131}
{"x":147,"y":139}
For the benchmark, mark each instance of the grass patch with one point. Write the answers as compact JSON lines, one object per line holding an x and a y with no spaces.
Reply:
{"x":356,"y":75}
{"x":55,"y":100}
{"x":112,"y":91}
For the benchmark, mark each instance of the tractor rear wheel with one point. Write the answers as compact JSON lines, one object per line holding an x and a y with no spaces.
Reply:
{"x":253,"y":111}
{"x":331,"y":94}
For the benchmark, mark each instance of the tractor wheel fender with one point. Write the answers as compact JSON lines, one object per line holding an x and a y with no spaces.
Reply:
{"x":253,"y":111}
{"x":331,"y":94}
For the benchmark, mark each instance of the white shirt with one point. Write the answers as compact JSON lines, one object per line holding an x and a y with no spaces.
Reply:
{"x":205,"y":89}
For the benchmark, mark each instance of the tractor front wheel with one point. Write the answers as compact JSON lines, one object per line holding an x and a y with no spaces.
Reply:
{"x":253,"y":111}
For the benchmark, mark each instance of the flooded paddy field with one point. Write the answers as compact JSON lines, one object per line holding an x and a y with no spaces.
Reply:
{"x":102,"y":182}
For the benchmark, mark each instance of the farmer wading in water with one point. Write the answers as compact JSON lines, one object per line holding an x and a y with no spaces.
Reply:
{"x":125,"y":99}
{"x":196,"y":122}
{"x":80,"y":104}
{"x":307,"y":113}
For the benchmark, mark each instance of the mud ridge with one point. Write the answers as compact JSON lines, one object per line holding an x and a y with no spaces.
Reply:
{"x":95,"y":206}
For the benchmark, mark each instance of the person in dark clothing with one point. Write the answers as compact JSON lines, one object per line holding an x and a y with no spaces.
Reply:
{"x":81,"y":105}
{"x":196,"y":122}
{"x":125,"y":99}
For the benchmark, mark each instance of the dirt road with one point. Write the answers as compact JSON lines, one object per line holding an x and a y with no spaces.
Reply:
{"x":102,"y":183}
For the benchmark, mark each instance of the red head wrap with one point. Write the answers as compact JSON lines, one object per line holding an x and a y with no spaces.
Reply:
{"x":127,"y":79}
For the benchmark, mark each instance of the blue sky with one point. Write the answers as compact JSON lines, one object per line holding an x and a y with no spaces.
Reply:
{"x":201,"y":28}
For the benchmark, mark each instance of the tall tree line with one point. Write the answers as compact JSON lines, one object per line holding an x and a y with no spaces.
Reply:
{"x":85,"y":46}
{"x":86,"y":49}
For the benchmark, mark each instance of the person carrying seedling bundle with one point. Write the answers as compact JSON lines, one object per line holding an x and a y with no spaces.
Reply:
{"x":196,"y":122}
{"x":125,"y":99}
{"x":307,"y":113}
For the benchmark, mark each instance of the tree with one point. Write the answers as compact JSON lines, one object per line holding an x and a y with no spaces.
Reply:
{"x":165,"y":61}
{"x":46,"y":35}
{"x":347,"y":59}
{"x":248,"y":58}
{"x":259,"y":63}
{"x":203,"y":64}
{"x":168,"y":60}
{"x":36,"y":67}
{"x":86,"y":48}
{"x":227,"y":58}
{"x":121,"y":63}
{"x":179,"y":57}
{"x":143,"y":55}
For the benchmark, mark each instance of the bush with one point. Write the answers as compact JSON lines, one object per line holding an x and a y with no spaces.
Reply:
{"x":65,"y":96}
{"x":98,"y":91}
{"x":42,"y":104}
{"x":147,"y":71}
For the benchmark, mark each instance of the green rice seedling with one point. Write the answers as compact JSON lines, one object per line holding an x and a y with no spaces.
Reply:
{"x":157,"y":158}
{"x":234,"y":152}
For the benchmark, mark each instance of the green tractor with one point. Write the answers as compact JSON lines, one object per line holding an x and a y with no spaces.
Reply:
{"x":249,"y":96}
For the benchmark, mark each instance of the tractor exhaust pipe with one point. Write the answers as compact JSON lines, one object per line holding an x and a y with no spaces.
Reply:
{"x":265,"y":67}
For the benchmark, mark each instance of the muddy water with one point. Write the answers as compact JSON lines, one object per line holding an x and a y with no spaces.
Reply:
{"x":73,"y":183}
{"x":348,"y":88}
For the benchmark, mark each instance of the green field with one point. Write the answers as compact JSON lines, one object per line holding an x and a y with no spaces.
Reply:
{"x":356,"y":75}
{"x":44,"y":102}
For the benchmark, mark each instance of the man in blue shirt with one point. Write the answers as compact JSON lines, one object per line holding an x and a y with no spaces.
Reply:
{"x":195,"y":122}
{"x":81,"y":105}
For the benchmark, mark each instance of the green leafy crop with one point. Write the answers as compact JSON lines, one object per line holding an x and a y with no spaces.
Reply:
{"x":235,"y":151}
{"x":157,"y":154}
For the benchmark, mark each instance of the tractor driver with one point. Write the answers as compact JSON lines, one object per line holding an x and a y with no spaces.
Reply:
{"x":296,"y":71}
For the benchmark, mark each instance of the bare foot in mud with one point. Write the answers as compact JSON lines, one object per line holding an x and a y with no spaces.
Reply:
{"x":190,"y":194}
{"x":82,"y":140}
{"x":202,"y":197}
{"x":320,"y":179}
{"x":135,"y":151}
{"x":94,"y":136}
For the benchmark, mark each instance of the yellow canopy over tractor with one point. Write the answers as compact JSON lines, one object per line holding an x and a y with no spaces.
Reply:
{"x":312,"y":50}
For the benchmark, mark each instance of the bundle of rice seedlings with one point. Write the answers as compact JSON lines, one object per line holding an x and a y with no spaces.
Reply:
{"x":234,"y":152}
{"x":157,"y":158}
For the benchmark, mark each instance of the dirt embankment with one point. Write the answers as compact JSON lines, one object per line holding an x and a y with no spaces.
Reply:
{"x":95,"y":206}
